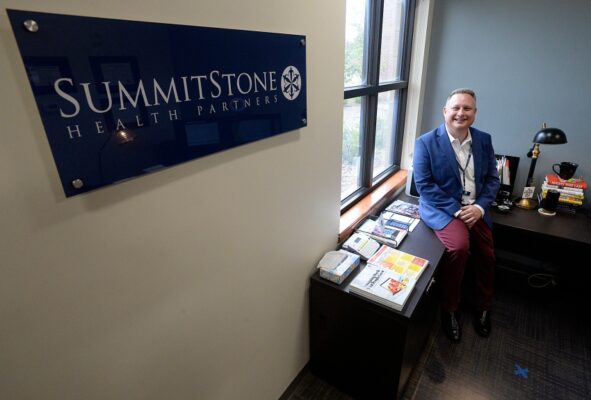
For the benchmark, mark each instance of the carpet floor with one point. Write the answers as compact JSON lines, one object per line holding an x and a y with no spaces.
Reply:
{"x":540,"y":348}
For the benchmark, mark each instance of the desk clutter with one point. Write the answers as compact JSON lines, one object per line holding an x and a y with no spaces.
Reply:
{"x":571,"y":193}
{"x":389,"y":275}
{"x":389,"y":228}
{"x":556,"y":194}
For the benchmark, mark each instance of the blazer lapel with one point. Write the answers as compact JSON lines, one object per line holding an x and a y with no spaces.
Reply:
{"x":448,"y":151}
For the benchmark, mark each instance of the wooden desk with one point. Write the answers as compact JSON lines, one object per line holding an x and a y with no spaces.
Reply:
{"x":562,"y":226}
{"x":528,"y":242}
{"x":366,"y":349}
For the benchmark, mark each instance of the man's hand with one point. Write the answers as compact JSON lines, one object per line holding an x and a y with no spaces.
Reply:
{"x":470,"y":214}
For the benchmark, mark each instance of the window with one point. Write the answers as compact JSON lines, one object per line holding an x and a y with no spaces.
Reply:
{"x":377,"y":58}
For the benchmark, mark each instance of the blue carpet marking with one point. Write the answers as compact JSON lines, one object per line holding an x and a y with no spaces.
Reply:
{"x":522,"y":372}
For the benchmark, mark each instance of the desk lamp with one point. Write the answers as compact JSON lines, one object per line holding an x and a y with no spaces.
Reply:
{"x":544,"y":136}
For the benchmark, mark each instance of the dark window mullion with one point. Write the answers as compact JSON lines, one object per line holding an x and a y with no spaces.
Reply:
{"x":407,"y":38}
{"x":365,"y":135}
{"x":386,"y":87}
{"x":375,"y":40}
{"x":359,"y":91}
{"x":369,"y":140}
{"x":373,"y":65}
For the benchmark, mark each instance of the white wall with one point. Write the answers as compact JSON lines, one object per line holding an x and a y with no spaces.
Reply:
{"x":189,"y":283}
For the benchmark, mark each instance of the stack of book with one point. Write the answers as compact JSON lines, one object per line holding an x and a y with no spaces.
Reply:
{"x":395,"y":220}
{"x":404,"y":208}
{"x":571,"y":191}
{"x":401,"y":215}
{"x":389,"y":277}
{"x":376,"y":230}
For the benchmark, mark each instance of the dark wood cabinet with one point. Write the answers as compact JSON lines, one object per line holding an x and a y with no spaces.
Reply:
{"x":366,"y":349}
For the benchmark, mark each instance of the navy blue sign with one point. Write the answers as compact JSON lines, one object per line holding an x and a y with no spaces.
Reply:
{"x":120,"y":99}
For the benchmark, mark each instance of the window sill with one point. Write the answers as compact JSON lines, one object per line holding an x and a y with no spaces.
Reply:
{"x":371,"y":203}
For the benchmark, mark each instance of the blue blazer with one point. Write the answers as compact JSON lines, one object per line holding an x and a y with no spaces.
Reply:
{"x":438,"y":179}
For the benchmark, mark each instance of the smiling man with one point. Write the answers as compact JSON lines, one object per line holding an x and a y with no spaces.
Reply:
{"x":456,"y":176}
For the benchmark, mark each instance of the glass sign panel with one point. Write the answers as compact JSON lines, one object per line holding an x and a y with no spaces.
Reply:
{"x":119,"y":99}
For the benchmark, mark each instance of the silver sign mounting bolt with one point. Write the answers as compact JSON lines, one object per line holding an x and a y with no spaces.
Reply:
{"x":77,"y":183}
{"x":31,"y":25}
{"x":304,"y":121}
{"x":303,"y":42}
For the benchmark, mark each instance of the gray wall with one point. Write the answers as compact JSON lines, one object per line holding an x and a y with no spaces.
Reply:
{"x":529,"y":63}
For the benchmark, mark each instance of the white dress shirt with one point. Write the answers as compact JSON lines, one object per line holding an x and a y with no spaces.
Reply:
{"x":465,"y":162}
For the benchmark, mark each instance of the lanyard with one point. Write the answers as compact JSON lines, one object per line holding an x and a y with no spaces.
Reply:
{"x":464,"y":171}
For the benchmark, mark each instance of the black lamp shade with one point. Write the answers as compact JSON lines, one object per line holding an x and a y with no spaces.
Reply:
{"x":550,"y":136}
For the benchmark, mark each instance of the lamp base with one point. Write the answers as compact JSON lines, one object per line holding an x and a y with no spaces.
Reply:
{"x":526,"y":204}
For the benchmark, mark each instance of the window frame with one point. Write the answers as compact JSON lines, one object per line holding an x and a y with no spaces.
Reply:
{"x":371,"y":90}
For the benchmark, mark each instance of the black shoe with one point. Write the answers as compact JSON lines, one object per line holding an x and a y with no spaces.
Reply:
{"x":482,"y":323}
{"x":451,"y":326}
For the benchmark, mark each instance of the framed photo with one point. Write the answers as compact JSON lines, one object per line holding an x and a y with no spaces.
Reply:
{"x":507,"y":168}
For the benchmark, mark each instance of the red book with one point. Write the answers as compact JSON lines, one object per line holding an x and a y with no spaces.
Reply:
{"x":554,"y":179}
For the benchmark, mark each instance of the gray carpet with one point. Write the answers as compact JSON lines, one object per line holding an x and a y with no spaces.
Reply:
{"x":540,"y":348}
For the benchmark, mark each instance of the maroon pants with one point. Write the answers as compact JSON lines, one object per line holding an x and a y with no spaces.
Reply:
{"x":463,"y":245}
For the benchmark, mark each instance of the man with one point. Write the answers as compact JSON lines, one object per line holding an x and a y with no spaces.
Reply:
{"x":456,"y":176}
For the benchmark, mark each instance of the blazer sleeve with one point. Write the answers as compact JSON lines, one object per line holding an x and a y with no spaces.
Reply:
{"x":432,"y":194}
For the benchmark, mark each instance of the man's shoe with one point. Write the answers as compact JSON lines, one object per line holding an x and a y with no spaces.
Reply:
{"x":482,"y":323}
{"x":451,"y":326}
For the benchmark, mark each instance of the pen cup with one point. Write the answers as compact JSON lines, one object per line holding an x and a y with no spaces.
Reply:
{"x":550,"y":203}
